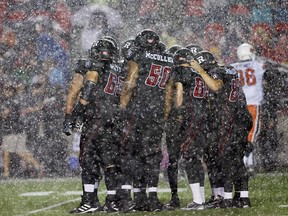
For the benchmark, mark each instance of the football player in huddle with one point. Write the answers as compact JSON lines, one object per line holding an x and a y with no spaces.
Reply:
{"x":191,"y":106}
{"x":172,"y":130}
{"x":101,"y":90}
{"x":149,"y":69}
{"x":228,"y":110}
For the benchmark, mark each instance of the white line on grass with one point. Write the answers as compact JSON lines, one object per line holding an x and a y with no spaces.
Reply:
{"x":55,"y":205}
{"x":163,"y":190}
{"x":50,"y":207}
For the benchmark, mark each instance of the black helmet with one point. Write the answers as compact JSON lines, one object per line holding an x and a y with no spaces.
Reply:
{"x":126,"y":48}
{"x":107,"y":37}
{"x":194,"y":48}
{"x":173,"y":49}
{"x":104,"y":49}
{"x":183,"y":56}
{"x":161,"y":47}
{"x":147,"y":39}
{"x":206,"y":59}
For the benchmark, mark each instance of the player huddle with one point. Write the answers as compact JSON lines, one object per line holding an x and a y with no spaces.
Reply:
{"x":124,"y":99}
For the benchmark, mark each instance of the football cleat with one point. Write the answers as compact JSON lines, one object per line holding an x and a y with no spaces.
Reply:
{"x":111,"y":207}
{"x":155,"y":205}
{"x":83,"y":208}
{"x":173,"y":204}
{"x":213,"y":202}
{"x":194,"y":206}
{"x":225,"y":203}
{"x":241,"y":203}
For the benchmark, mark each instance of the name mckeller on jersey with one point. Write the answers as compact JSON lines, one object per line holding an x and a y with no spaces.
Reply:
{"x":158,"y":57}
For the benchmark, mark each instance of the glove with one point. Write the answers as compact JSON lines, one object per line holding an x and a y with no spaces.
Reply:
{"x":68,"y":124}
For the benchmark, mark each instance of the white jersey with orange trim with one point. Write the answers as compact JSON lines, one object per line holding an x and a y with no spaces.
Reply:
{"x":251,"y":76}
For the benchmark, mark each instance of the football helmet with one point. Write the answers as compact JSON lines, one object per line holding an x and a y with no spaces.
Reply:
{"x":183,"y":56}
{"x":245,"y":52}
{"x":126,"y":48}
{"x":173,"y":49}
{"x":104,"y":49}
{"x":206,"y":59}
{"x":147,"y":38}
{"x":161,"y":47}
{"x":194,"y":48}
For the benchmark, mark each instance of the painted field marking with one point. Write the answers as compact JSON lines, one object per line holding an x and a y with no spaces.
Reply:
{"x":283,"y":206}
{"x":41,"y":193}
{"x":162,"y":190}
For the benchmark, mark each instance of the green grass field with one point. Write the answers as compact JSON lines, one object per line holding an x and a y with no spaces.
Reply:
{"x":268,"y":194}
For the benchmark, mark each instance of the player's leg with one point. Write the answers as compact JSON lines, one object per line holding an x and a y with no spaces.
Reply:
{"x":110,"y":156}
{"x":173,"y":142}
{"x":195,"y":174}
{"x":91,"y":172}
{"x":254,"y":110}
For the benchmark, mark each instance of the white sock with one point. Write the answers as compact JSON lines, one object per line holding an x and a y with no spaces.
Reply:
{"x":126,"y":187}
{"x":244,"y":194}
{"x":152,"y":189}
{"x":228,"y":195}
{"x":215,"y":192}
{"x":196,"y":192}
{"x":96,"y":185}
{"x":202,"y":194}
{"x":250,"y":159}
{"x":111,"y":192}
{"x":221,"y":191}
{"x":89,"y":188}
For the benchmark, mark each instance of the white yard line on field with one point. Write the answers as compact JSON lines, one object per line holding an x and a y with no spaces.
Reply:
{"x":55,"y":205}
{"x":161,"y":190}
{"x":50,"y":207}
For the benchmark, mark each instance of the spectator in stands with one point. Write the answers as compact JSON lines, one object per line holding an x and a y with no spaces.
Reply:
{"x":49,"y":47}
{"x":90,"y":23}
{"x":55,"y":145}
{"x":32,"y":114}
{"x":14,"y":137}
{"x":281,"y":48}
{"x":262,"y":39}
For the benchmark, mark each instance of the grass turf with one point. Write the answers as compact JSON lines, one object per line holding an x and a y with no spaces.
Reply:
{"x":268,"y":194}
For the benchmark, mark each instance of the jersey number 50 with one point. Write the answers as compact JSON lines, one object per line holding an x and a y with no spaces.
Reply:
{"x":249,"y":77}
{"x":158,"y":75}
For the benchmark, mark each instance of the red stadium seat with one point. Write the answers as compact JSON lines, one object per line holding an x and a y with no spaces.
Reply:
{"x":215,"y":27}
{"x":281,"y":27}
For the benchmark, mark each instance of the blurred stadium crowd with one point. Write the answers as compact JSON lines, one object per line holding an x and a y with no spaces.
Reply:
{"x":40,"y":42}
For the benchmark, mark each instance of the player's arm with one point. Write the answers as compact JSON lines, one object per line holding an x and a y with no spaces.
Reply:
{"x":179,"y":90}
{"x":72,"y":96}
{"x":168,"y":98}
{"x":130,"y":84}
{"x":214,"y":84}
{"x":73,"y":93}
{"x":91,"y":79}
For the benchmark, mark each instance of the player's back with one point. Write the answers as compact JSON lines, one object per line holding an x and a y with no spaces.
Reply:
{"x":251,"y":78}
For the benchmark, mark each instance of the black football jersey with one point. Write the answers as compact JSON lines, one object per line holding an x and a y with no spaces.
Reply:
{"x":195,"y":90}
{"x":106,"y":93}
{"x":155,"y":69}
